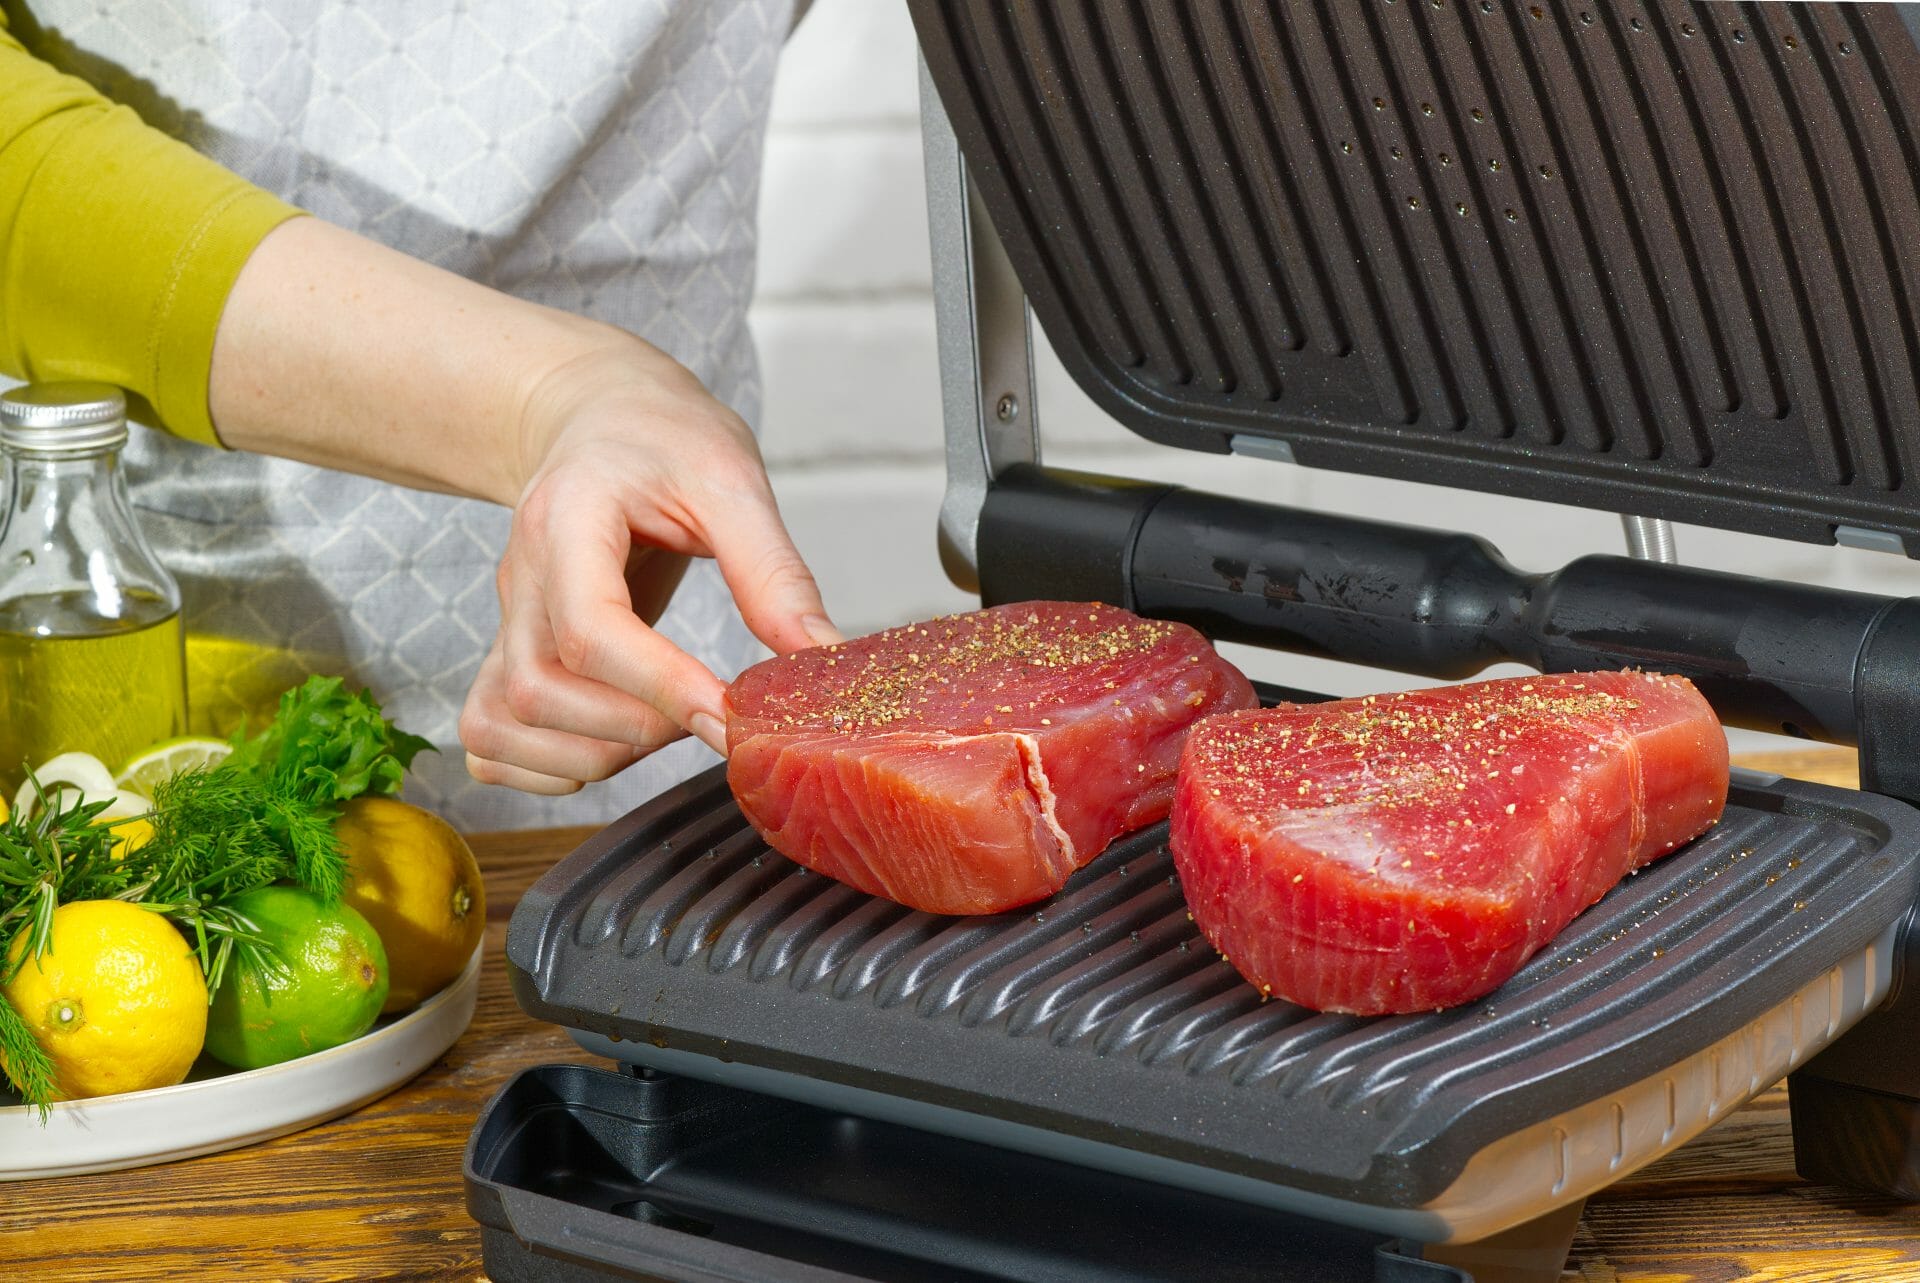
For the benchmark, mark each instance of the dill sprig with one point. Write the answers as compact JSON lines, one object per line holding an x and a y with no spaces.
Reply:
{"x":26,"y":1062}
{"x":217,"y":834}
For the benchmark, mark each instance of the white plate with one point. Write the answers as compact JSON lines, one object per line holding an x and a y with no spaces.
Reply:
{"x":224,"y":1109}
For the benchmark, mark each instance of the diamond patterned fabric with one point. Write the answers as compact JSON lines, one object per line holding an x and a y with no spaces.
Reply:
{"x":599,"y":157}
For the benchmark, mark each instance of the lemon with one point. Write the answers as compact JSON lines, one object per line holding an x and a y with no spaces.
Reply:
{"x":416,"y":880}
{"x":327,"y":989}
{"x":129,"y":834}
{"x":118,"y":1000}
{"x":156,"y":765}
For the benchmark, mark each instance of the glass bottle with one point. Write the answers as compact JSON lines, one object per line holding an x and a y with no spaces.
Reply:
{"x":91,"y":656}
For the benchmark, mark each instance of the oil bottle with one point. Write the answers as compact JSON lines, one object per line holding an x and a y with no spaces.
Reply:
{"x":91,"y":655}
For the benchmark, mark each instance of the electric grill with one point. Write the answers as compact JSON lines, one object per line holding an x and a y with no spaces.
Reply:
{"x":1648,"y":257}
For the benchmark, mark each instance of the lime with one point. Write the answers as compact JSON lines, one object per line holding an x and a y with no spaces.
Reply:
{"x":415,"y":880}
{"x":327,"y":988}
{"x":156,"y":765}
{"x":117,"y":1001}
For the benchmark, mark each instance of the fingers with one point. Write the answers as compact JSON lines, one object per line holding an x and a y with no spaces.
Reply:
{"x":537,"y":690}
{"x":771,"y":584}
{"x":595,"y":634}
{"x":504,"y":749}
{"x":489,"y":772}
{"x":579,"y":685}
{"x":550,"y":753}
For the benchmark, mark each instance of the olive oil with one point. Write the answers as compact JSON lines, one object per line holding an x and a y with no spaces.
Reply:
{"x":91,"y":658}
{"x":71,"y":679}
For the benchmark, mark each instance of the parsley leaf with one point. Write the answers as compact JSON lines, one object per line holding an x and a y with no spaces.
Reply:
{"x":327,"y":745}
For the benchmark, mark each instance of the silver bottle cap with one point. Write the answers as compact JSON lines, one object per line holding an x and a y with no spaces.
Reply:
{"x":63,"y":417}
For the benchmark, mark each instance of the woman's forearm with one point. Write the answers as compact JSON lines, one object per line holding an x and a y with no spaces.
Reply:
{"x":338,"y":351}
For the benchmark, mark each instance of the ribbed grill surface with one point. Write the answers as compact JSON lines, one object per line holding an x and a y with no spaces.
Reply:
{"x":680,"y":927}
{"x":1664,"y":248}
{"x":1112,"y":966}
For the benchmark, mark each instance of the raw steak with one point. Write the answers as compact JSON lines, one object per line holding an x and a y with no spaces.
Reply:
{"x":1409,"y":852}
{"x":971,"y":763}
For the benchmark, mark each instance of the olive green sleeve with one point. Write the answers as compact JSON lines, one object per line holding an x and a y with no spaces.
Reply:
{"x":118,"y":245}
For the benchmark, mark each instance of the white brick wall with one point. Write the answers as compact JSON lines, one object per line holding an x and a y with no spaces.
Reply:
{"x":852,"y":422}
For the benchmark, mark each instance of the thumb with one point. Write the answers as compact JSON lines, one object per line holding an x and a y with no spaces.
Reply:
{"x":769,"y":580}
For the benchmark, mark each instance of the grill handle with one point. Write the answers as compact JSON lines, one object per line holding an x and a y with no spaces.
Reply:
{"x":1769,"y":655}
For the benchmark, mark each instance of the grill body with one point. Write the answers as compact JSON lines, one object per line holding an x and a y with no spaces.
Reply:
{"x":1649,"y":257}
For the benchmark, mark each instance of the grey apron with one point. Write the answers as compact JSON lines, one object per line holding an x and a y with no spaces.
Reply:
{"x":598,"y":157}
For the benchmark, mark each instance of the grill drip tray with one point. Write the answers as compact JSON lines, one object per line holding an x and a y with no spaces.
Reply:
{"x":1099,"y":1028}
{"x":670,"y":1178}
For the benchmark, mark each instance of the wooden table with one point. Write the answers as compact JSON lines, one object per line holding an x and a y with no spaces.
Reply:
{"x":378,"y":1194}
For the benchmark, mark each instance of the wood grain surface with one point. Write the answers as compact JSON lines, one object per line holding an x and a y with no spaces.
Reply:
{"x":377,"y":1195}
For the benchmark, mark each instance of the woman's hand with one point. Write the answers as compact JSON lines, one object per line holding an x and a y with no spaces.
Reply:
{"x":618,"y":464}
{"x":633,"y":468}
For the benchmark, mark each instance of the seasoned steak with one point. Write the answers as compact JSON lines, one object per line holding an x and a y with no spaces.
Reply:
{"x":971,"y":763}
{"x":1408,"y":852}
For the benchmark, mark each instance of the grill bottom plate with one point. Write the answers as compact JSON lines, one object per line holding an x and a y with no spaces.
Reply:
{"x":1100,"y":1020}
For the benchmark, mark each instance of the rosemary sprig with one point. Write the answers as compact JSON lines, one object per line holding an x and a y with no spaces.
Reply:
{"x":55,"y":855}
{"x":223,"y":937}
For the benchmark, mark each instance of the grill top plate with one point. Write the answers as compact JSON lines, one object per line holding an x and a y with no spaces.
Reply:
{"x":1647,"y":258}
{"x":1102,"y":1014}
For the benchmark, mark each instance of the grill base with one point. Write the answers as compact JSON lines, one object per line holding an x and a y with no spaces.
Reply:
{"x":1522,"y":1180}
{"x":1854,"y":1136}
{"x":585,"y":1174}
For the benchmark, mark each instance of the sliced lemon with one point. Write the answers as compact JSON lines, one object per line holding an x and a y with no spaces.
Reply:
{"x":81,"y":772}
{"x":123,"y":804}
{"x":164,"y":760}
